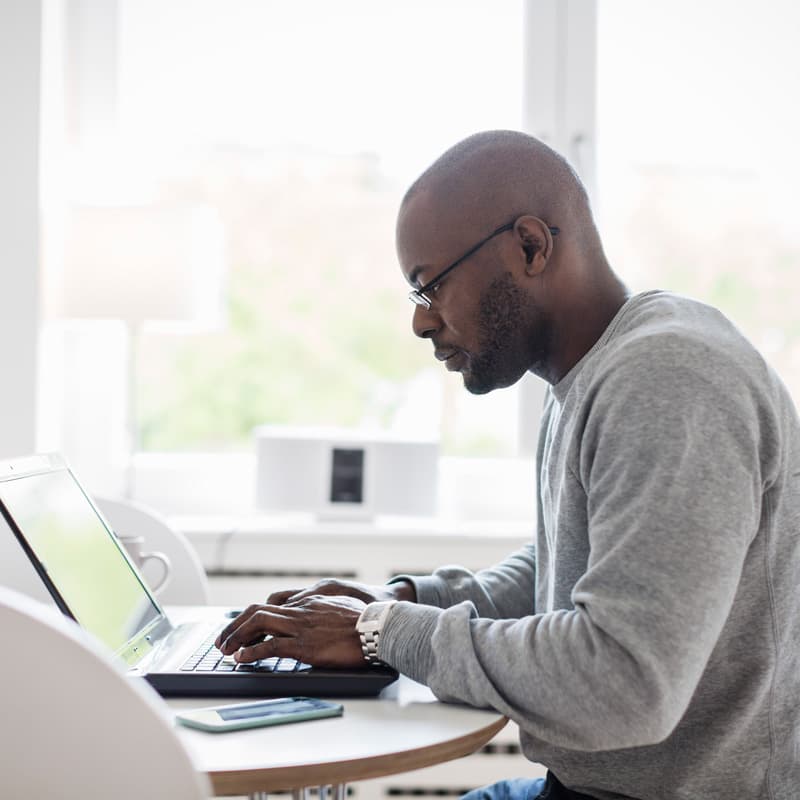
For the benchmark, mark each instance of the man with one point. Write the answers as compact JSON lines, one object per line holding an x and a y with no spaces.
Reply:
{"x":648,"y":642}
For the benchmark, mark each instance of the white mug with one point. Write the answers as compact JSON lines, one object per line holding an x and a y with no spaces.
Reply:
{"x":134,"y":545}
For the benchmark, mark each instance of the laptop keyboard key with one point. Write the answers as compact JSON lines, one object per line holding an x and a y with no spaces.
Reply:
{"x":208,"y":659}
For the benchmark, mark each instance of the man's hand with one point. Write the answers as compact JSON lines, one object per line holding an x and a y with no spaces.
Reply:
{"x":402,"y":590}
{"x":314,"y":629}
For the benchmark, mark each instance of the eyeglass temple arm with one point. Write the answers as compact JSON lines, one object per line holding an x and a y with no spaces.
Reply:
{"x":554,"y":231}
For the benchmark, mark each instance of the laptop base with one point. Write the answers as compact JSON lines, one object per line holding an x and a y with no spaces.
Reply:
{"x":316,"y":683}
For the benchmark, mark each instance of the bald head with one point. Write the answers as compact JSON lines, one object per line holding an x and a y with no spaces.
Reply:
{"x":494,"y":176}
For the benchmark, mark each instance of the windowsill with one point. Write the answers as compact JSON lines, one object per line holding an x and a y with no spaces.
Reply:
{"x":277,"y":544}
{"x":474,"y":495}
{"x":302,"y":525}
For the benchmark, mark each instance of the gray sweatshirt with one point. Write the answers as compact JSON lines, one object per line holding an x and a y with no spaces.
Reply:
{"x":648,"y":643}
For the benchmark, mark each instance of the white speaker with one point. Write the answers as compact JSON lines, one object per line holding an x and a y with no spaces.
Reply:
{"x":339,"y":473}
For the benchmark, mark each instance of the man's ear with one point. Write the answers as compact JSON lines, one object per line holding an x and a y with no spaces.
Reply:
{"x":536,"y":241}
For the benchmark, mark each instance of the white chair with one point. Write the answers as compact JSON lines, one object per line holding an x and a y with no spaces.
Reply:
{"x":188,"y":583}
{"x":74,"y":726}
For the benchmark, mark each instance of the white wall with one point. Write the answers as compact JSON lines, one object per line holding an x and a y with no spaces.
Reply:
{"x":20,"y":48}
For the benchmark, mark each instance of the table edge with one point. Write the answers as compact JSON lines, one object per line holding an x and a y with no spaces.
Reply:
{"x":296,"y":776}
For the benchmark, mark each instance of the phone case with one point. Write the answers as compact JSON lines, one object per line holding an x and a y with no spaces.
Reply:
{"x":205,"y":719}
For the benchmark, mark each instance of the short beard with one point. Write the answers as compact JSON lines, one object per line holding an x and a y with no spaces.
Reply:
{"x":514,"y":337}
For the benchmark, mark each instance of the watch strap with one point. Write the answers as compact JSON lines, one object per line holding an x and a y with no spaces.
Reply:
{"x":370,"y":625}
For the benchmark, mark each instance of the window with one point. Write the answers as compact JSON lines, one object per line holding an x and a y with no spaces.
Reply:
{"x":301,"y":125}
{"x":697,"y":169}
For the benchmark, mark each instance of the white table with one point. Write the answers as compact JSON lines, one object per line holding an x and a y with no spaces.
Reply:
{"x":404,"y":729}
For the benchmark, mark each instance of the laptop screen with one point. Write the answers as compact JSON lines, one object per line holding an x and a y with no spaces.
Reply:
{"x":80,"y":555}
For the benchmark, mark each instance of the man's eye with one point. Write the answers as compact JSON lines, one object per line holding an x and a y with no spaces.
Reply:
{"x":435,"y":288}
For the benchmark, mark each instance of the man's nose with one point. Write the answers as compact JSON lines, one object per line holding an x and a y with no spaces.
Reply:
{"x":425,"y":322}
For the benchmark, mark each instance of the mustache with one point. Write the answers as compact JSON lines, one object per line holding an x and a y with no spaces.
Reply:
{"x":442,"y":351}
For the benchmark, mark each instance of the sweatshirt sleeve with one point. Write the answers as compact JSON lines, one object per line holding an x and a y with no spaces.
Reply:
{"x":671,"y":479}
{"x":503,"y":591}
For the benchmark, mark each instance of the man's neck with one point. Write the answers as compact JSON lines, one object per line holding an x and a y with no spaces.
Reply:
{"x":583,"y":323}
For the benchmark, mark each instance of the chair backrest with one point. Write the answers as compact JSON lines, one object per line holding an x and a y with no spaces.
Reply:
{"x":188,"y":584}
{"x":74,"y":726}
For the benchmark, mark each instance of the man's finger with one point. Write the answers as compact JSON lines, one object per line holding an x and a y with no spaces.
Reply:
{"x":235,"y":623}
{"x":279,"y":598}
{"x":265,"y":620}
{"x":307,"y":599}
{"x":317,"y":590}
{"x":280,"y":646}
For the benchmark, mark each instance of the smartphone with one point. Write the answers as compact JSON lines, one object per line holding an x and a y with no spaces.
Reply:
{"x":236,"y":716}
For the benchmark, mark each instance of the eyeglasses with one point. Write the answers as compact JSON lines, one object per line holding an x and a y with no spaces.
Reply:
{"x":420,"y":297}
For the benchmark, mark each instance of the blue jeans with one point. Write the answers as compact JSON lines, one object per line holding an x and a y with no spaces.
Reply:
{"x":525,"y":789}
{"x":514,"y":789}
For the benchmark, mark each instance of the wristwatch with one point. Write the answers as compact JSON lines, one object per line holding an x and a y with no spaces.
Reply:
{"x":370,"y":626}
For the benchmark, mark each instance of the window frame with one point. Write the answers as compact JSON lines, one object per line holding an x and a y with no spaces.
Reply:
{"x":559,"y":45}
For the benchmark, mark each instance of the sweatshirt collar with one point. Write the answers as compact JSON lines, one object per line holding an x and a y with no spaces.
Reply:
{"x":561,"y":388}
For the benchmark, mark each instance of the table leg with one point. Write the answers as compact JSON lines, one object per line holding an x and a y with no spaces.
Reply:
{"x":338,"y":791}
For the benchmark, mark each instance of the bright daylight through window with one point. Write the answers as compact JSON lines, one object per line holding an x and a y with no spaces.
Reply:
{"x":297,"y":128}
{"x":697,"y":163}
{"x":303,"y":138}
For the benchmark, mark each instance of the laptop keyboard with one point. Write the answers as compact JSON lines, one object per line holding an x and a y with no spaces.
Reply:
{"x":208,"y":659}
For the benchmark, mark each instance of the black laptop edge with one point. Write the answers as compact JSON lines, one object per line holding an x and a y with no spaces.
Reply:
{"x":348,"y":683}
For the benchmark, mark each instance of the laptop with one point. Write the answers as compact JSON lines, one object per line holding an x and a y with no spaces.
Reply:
{"x":92,"y":581}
